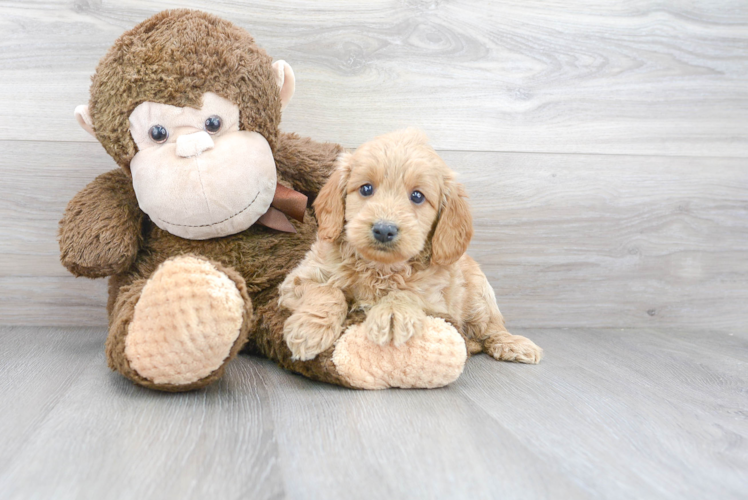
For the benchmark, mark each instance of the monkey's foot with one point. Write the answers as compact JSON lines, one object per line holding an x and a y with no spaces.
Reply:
{"x":433,"y":359}
{"x":185,"y":326}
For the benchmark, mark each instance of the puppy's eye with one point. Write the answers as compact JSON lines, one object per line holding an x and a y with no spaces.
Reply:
{"x":158,"y":134}
{"x":366,"y":190}
{"x":213,"y":124}
{"x":417,"y":197}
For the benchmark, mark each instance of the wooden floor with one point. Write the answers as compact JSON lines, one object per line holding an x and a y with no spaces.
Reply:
{"x":605,"y":149}
{"x":608,"y":414}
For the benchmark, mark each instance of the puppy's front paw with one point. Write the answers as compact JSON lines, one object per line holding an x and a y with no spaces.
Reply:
{"x":407,"y":322}
{"x":378,"y":324}
{"x":514,"y":348}
{"x":392,"y":322}
{"x":306,"y":336}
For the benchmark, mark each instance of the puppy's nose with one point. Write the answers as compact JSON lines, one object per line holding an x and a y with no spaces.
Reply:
{"x":384,"y":231}
{"x":193,"y":144}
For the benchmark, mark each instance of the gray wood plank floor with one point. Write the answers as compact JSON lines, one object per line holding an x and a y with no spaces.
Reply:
{"x":608,"y":414}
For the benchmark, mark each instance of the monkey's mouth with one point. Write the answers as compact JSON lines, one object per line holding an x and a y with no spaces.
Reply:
{"x":214,"y":223}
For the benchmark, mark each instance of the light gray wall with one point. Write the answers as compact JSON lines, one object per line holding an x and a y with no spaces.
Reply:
{"x":604,"y":148}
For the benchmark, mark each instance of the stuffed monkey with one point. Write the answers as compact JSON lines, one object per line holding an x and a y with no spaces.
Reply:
{"x":207,"y":211}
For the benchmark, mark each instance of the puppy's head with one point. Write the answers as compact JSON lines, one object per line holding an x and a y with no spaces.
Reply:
{"x":390,"y":197}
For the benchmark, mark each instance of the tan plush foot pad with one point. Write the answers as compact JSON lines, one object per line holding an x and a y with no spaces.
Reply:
{"x":434,"y":359}
{"x":187,"y":319}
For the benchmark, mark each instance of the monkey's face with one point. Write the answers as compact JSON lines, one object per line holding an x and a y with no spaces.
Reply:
{"x":196,"y":174}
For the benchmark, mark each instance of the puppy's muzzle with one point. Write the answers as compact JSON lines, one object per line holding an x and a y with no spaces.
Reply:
{"x":384,"y":231}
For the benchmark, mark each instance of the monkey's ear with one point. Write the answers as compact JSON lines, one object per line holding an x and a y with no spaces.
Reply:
{"x":84,"y":119}
{"x":286,"y":81}
{"x":454,"y":228}
{"x":329,"y":207}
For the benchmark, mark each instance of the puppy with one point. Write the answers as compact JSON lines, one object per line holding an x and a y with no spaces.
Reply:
{"x":394,"y":226}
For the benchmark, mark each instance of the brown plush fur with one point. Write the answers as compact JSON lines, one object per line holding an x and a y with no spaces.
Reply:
{"x":102,"y":228}
{"x":156,"y":61}
{"x":103,"y":232}
{"x":397,"y":283}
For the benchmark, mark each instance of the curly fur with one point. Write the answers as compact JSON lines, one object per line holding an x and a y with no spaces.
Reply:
{"x":423,"y":271}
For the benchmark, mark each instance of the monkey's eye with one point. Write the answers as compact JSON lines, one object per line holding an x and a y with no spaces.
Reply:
{"x":417,"y":197}
{"x":366,"y":190}
{"x":213,"y":124}
{"x":158,"y":133}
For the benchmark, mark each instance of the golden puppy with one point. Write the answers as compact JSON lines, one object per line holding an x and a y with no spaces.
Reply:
{"x":393,"y":230}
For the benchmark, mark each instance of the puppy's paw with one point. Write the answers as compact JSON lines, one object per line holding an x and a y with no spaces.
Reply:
{"x":306,"y":336}
{"x":407,"y":322}
{"x":514,"y":348}
{"x":397,"y":323}
{"x":378,"y":324}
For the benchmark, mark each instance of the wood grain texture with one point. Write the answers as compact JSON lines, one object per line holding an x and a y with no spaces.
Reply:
{"x":566,"y":240}
{"x":574,"y":240}
{"x":630,"y":411}
{"x":643,"y":77}
{"x":608,"y":414}
{"x":604,"y":148}
{"x":109,"y":439}
{"x":37,"y":370}
{"x":401,"y":444}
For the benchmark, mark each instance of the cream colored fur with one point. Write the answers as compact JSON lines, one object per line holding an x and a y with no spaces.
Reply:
{"x":423,"y":273}
{"x":432,"y":360}
{"x":197,"y":185}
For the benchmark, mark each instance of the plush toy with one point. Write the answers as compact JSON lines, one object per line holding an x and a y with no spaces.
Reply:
{"x":207,"y":212}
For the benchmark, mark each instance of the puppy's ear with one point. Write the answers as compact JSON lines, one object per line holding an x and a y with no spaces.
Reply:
{"x":330,"y":203}
{"x":454,"y":228}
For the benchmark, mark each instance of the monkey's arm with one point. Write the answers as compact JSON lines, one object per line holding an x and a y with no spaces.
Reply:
{"x":100,"y":232}
{"x":305,"y":163}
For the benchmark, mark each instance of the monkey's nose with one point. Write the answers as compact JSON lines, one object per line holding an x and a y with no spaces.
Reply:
{"x":384,"y":231}
{"x":193,"y":144}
